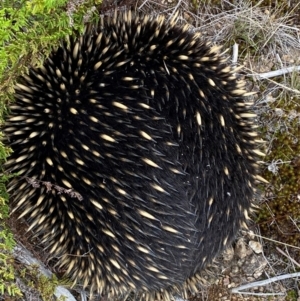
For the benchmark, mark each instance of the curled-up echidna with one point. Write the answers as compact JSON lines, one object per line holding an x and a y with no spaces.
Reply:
{"x":135,"y":155}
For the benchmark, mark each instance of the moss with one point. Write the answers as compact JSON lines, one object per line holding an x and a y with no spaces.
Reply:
{"x":29,"y":30}
{"x":279,"y":216}
{"x":291,"y":295}
{"x":38,"y":284}
{"x":7,"y":272}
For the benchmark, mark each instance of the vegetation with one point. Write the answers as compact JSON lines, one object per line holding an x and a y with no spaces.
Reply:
{"x":268,"y":39}
{"x":29,"y":31}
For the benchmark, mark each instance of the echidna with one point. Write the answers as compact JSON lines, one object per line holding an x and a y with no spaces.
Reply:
{"x":135,"y":154}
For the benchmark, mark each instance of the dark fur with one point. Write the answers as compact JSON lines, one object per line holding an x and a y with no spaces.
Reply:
{"x":155,"y":226}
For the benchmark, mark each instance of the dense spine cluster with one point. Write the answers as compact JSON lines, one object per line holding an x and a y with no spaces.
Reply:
{"x":135,"y":154}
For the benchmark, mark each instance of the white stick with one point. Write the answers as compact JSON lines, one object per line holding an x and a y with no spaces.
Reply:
{"x":277,"y":72}
{"x":237,"y":290}
{"x":235,"y":53}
